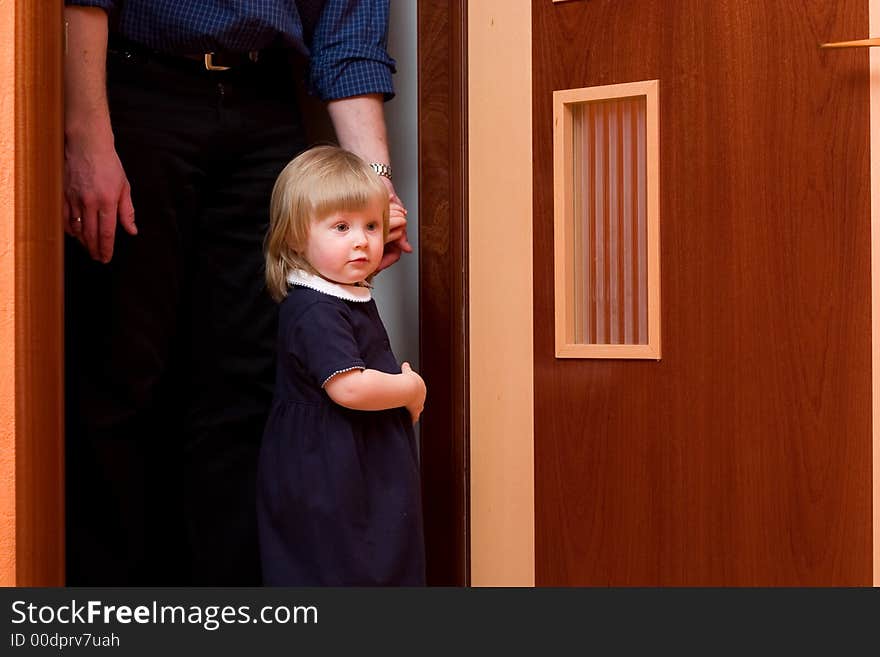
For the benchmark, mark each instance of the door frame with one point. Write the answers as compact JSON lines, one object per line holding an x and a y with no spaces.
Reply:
{"x":874,"y":28}
{"x":31,"y":319}
{"x":443,"y":286}
{"x":477,"y":444}
{"x":31,"y":404}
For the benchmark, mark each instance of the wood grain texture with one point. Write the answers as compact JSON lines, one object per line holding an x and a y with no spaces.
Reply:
{"x":744,"y":456}
{"x":443,"y":286}
{"x":38,"y":292}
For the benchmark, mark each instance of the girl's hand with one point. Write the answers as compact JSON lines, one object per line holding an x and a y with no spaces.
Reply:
{"x":417,"y":403}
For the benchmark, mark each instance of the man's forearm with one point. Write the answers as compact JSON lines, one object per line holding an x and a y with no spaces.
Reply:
{"x":359,"y":123}
{"x":85,"y":71}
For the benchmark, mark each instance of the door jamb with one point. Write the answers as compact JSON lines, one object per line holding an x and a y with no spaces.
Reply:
{"x":37,"y":538}
{"x":32,"y":532}
{"x":443,"y":286}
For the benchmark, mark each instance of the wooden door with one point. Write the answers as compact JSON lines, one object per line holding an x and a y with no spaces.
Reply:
{"x":744,"y":455}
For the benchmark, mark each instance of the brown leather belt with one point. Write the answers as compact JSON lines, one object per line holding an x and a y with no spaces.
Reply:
{"x":208,"y":61}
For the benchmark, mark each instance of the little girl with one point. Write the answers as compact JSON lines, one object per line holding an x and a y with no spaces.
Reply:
{"x":338,"y":492}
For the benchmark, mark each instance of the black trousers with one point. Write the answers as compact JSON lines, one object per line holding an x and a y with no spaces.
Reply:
{"x":170,"y":347}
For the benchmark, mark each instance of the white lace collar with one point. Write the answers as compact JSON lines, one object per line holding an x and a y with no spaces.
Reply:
{"x":338,"y":290}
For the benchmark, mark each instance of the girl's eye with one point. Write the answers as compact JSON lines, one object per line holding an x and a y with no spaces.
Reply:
{"x":340,"y":228}
{"x":372,"y":226}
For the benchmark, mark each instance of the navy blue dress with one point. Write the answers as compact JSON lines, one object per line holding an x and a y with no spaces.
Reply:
{"x":339,"y":497}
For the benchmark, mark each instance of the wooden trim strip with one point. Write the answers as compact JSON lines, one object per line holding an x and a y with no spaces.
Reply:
{"x":501,"y":294}
{"x":39,"y":429}
{"x":874,"y":28}
{"x":627,"y":351}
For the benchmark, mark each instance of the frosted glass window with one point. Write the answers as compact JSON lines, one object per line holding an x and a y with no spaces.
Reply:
{"x":606,"y":224}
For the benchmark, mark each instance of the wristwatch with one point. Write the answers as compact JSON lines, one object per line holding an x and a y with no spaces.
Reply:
{"x":381,"y":169}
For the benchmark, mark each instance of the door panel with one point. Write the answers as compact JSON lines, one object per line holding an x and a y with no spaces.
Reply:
{"x":743,"y":457}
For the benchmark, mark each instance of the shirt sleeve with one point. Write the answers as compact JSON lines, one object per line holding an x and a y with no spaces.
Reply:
{"x":323,"y":342}
{"x":106,"y":5}
{"x":348,"y":50}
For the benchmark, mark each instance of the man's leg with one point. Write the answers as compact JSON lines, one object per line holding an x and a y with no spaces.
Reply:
{"x":233,"y":327}
{"x":124,"y":453}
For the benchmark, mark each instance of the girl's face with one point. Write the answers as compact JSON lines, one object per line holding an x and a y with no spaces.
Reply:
{"x":346,"y":247}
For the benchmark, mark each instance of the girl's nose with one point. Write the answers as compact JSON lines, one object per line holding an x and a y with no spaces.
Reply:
{"x":359,"y":237}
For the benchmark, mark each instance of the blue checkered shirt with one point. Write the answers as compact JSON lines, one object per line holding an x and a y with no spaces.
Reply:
{"x":345,"y":40}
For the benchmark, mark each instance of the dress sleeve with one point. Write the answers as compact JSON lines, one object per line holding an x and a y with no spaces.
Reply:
{"x":323,"y":342}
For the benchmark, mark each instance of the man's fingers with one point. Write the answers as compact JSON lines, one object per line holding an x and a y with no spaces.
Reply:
{"x":396,"y":220}
{"x":126,"y":211}
{"x":394,"y":200}
{"x":400,"y":241}
{"x":106,"y":232}
{"x":389,"y":257}
{"x":396,"y":227}
{"x":73,"y":220}
{"x":90,"y":231}
{"x":396,"y":242}
{"x":404,"y":244}
{"x":395,"y":235}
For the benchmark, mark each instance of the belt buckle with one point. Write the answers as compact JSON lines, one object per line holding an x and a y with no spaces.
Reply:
{"x":253,"y":55}
{"x":209,"y":63}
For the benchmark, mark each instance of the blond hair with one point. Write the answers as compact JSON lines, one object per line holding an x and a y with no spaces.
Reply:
{"x":317,"y":183}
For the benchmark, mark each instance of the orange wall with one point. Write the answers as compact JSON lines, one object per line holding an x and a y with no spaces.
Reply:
{"x":7,"y":294}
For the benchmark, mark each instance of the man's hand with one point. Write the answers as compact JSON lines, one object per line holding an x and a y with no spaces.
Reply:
{"x":359,"y":122}
{"x":96,"y":194}
{"x":397,"y":243}
{"x":96,"y":191}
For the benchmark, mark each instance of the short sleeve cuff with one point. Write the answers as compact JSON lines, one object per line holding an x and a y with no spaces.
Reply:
{"x":342,"y":370}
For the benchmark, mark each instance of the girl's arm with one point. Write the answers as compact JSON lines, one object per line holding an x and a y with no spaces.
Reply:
{"x":371,"y":390}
